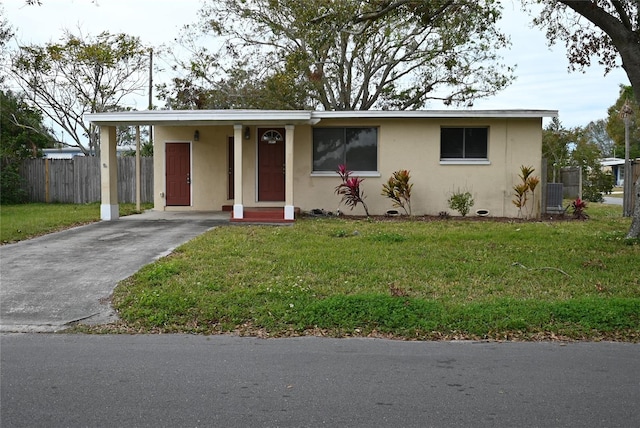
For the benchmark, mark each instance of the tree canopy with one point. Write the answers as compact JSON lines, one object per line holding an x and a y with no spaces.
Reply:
{"x":607,"y":31}
{"x":81,"y":75}
{"x":344,"y":54}
{"x":22,"y":136}
{"x":596,"y":132}
{"x":555,"y":148}
{"x":577,"y":147}
{"x":616,"y":127}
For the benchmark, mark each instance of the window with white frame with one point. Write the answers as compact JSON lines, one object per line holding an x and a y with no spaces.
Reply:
{"x":464,"y":143}
{"x":355,"y":147}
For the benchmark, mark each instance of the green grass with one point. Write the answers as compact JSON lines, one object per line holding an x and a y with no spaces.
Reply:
{"x":23,"y":221}
{"x":412,"y":279}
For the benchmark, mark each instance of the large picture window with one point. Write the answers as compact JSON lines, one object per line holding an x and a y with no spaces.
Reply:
{"x":355,"y":147}
{"x":463,"y":143}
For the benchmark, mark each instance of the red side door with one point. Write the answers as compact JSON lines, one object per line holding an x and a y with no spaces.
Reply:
{"x":230,"y":173}
{"x":178,"y":174}
{"x":271,"y":165}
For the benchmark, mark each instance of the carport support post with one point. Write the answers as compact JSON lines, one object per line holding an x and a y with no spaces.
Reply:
{"x":108,"y":174}
{"x":238,"y":210}
{"x":288,"y":176}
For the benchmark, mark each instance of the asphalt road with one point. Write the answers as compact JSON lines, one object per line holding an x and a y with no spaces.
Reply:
{"x":60,"y":380}
{"x":612,"y":200}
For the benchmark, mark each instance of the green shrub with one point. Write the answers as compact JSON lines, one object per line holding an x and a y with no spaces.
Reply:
{"x":11,"y":191}
{"x":461,"y":202}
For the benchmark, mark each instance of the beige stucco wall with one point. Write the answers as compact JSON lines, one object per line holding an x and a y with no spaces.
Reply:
{"x":412,"y":144}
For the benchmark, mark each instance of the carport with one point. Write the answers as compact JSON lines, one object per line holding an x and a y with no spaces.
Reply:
{"x":245,"y":124}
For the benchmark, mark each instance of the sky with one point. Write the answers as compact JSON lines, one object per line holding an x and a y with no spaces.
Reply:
{"x":542,"y":77}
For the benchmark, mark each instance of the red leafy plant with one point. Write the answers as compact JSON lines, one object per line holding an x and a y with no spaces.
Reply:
{"x":350,"y":190}
{"x":578,"y":206}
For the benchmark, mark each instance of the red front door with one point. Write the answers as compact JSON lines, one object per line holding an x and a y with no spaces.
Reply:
{"x":271,"y":164}
{"x":178,"y":174}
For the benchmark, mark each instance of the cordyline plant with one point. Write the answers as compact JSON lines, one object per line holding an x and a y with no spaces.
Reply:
{"x":522,"y":189}
{"x":350,"y":189}
{"x":578,"y":206}
{"x":398,"y":189}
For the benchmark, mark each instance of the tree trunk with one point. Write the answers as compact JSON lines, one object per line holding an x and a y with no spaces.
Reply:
{"x":634,"y":231}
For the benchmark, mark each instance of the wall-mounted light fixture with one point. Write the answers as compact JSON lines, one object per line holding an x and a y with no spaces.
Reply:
{"x":247,"y":133}
{"x":196,"y":135}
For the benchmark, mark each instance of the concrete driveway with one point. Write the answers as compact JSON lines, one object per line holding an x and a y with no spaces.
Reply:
{"x":48,"y":282}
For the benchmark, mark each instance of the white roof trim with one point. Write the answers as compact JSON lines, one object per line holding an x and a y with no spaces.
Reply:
{"x":199,"y":117}
{"x":429,"y":114}
{"x":611,"y":161}
{"x":292,"y":117}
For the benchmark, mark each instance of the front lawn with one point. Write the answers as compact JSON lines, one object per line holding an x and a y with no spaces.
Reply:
{"x":456,"y":278}
{"x":23,"y":221}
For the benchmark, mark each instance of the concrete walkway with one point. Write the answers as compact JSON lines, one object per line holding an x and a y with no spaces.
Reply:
{"x":48,"y":282}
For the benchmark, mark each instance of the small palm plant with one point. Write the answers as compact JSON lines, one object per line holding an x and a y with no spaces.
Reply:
{"x":350,"y":190}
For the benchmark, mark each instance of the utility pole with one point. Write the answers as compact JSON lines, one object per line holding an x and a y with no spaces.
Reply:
{"x":625,"y":113}
{"x":150,"y":92}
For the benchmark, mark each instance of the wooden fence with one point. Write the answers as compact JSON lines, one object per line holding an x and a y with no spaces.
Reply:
{"x":571,"y":178}
{"x":77,"y":180}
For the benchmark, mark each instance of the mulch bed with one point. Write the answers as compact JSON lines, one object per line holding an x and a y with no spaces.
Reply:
{"x":431,"y":218}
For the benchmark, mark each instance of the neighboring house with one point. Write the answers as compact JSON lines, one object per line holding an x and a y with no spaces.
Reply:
{"x":616,"y":167}
{"x":62,"y":153}
{"x":71,"y":152}
{"x":208,"y":160}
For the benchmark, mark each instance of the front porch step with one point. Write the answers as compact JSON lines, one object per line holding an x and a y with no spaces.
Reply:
{"x":264,"y":215}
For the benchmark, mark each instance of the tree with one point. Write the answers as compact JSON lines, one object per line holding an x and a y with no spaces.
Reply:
{"x":597,"y":133}
{"x":555,"y":148}
{"x":615,"y":124}
{"x":126,"y":136}
{"x":6,"y":32}
{"x":22,"y":136}
{"x":605,"y":29}
{"x":345,"y":55}
{"x":81,"y":75}
{"x":587,"y":155}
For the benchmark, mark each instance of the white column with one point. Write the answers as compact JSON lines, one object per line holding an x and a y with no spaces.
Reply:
{"x":138,"y":171}
{"x":288,"y":175}
{"x":108,"y":174}
{"x":238,"y":209}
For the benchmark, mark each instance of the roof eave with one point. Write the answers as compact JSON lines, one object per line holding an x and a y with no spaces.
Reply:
{"x":291,"y":117}
{"x":200,"y":117}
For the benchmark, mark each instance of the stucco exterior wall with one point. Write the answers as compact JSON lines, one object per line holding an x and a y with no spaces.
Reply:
{"x":412,"y":144}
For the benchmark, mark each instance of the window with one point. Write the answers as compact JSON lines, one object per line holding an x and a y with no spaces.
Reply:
{"x":355,"y":147}
{"x":463,"y":143}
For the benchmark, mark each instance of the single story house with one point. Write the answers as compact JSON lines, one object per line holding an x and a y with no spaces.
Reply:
{"x":244,"y":160}
{"x":62,"y":153}
{"x":616,"y":167}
